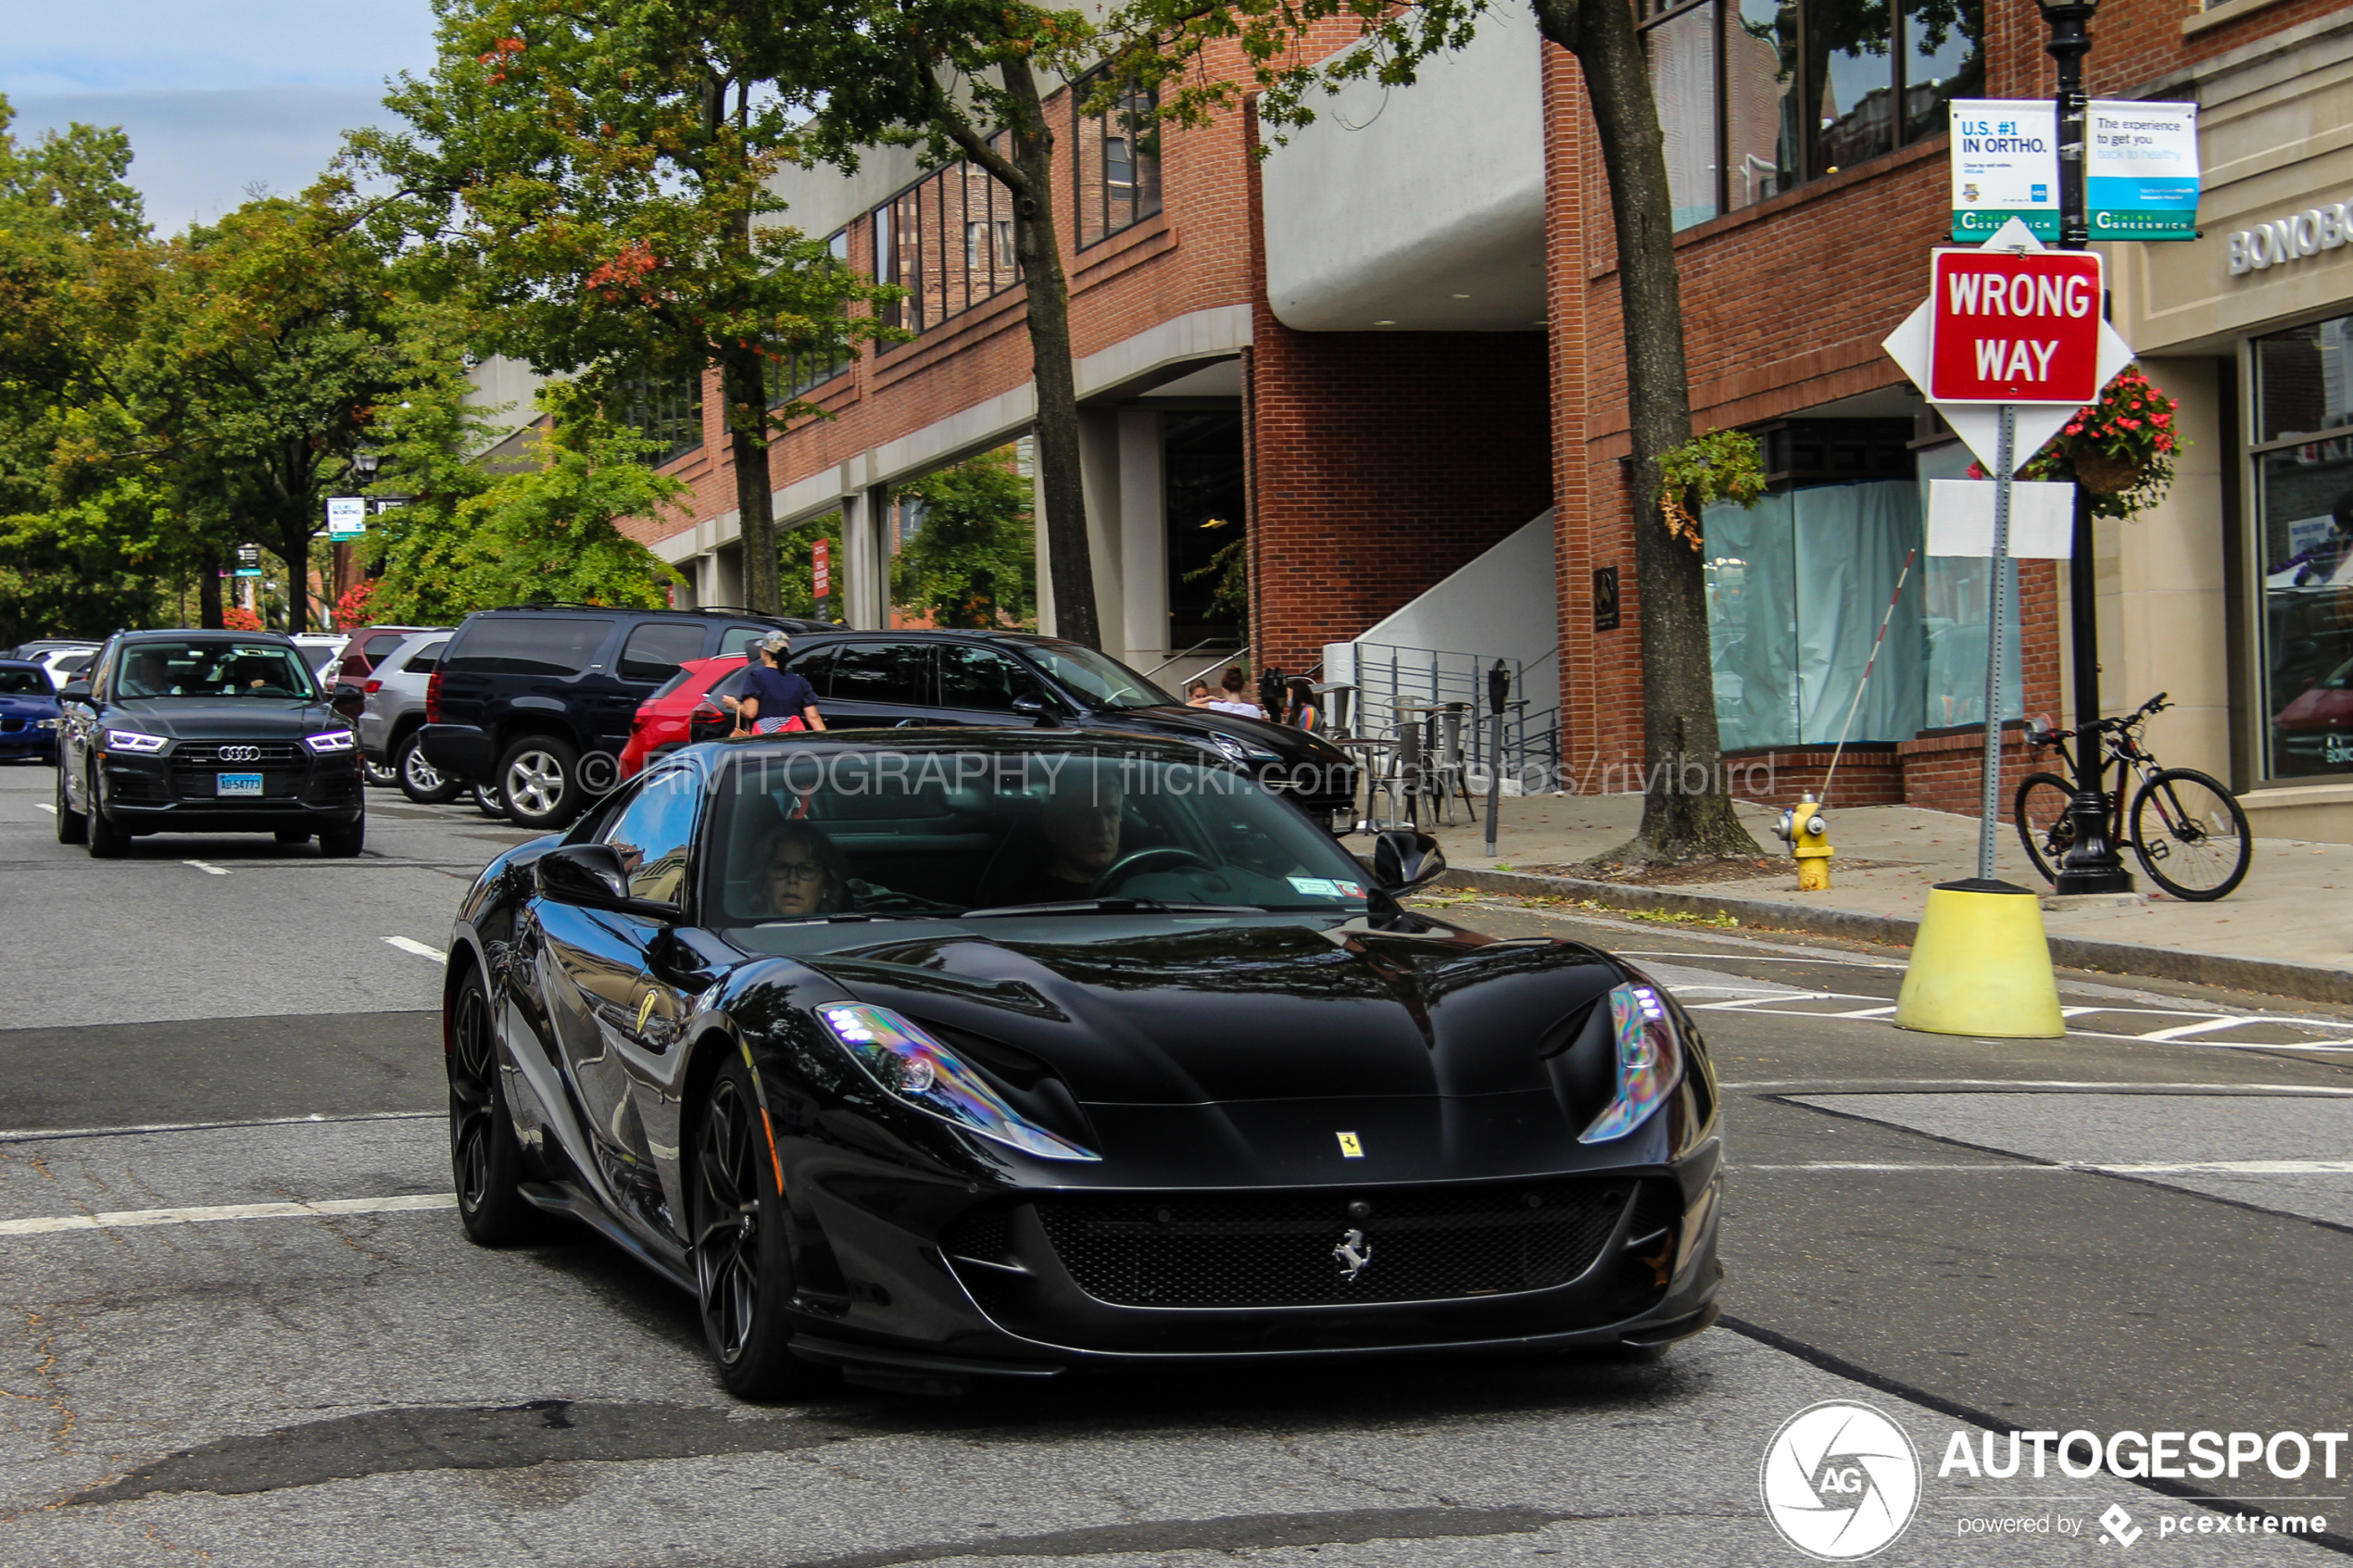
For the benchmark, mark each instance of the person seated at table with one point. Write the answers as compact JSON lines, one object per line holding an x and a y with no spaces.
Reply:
{"x":1301,"y":711}
{"x":1197,"y":695}
{"x":1235,"y":698}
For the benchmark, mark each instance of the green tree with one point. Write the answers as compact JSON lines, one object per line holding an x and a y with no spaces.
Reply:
{"x":548,"y":533}
{"x":965,"y":80}
{"x":592,"y":180}
{"x":974,"y":559}
{"x":1163,"y":45}
{"x":796,"y":565}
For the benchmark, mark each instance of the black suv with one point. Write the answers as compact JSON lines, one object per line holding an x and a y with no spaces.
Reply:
{"x":205,"y":732}
{"x":535,"y":702}
{"x":867,"y":680}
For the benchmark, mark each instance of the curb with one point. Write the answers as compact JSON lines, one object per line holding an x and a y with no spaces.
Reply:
{"x":2304,"y":981}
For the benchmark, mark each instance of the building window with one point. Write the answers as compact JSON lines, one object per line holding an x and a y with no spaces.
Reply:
{"x":665,"y":410}
{"x":1757,"y":96}
{"x":916,"y":245}
{"x":802,"y":371}
{"x":2303,"y":463}
{"x":1117,"y":163}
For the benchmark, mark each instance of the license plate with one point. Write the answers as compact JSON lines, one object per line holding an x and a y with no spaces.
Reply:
{"x":237,"y":783}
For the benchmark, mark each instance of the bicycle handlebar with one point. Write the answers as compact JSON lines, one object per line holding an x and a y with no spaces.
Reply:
{"x":2103,"y":726}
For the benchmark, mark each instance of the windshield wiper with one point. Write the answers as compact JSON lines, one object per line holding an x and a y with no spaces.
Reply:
{"x":1111,"y":906}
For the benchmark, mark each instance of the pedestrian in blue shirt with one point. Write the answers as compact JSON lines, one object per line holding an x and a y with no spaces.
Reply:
{"x":775,"y":701}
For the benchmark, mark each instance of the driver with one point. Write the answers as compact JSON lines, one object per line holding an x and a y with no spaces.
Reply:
{"x":148,"y":674}
{"x":1081,"y":822}
{"x":802,"y":872}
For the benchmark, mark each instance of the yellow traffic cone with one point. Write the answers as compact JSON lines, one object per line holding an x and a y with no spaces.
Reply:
{"x":1980,"y":965}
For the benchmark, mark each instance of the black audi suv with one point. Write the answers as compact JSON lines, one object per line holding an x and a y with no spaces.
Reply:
{"x":205,"y":732}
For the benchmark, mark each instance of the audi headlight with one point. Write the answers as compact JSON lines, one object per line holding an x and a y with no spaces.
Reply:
{"x":327,"y":742}
{"x":1649,"y":1061}
{"x":132,"y":740}
{"x":927,"y":1075}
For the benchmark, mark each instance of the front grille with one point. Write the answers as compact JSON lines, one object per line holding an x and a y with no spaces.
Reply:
{"x":1281,"y":1250}
{"x":248,"y":752}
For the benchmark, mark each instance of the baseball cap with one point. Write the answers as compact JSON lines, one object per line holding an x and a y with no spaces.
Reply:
{"x":775,"y":642}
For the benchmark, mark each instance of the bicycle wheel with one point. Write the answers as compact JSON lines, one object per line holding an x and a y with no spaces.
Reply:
{"x":2190,"y":835}
{"x":2040,"y":811}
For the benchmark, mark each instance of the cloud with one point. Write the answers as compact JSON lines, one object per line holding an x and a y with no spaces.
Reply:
{"x":115,"y":45}
{"x":195,"y":153}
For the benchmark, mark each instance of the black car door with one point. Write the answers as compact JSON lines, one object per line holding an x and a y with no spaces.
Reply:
{"x":877,"y":683}
{"x":78,"y":724}
{"x":649,"y":656}
{"x":979,"y":685}
{"x":615,"y":1018}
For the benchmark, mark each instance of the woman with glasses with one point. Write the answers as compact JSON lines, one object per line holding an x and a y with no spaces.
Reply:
{"x":803,"y":873}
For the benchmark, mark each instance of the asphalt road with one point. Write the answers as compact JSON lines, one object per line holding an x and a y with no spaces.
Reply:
{"x":239,"y":1324}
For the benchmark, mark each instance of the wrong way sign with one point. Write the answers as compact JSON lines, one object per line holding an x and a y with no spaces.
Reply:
{"x":2014,"y":327}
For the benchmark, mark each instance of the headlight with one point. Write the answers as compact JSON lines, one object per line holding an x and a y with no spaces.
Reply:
{"x":909,"y":1063}
{"x":1649,"y":1061}
{"x":44,"y":723}
{"x":1237,"y":752}
{"x":132,"y":740}
{"x":328,"y":741}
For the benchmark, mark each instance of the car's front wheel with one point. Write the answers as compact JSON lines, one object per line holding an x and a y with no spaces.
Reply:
{"x":343,"y":843}
{"x":484,"y":1157}
{"x":420,"y":779}
{"x":108,"y":840}
{"x":540,"y":779}
{"x":743,"y":1271}
{"x":72,"y":826}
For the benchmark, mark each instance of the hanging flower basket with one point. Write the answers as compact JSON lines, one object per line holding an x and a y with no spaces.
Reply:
{"x":2104,"y":475}
{"x":2120,"y":448}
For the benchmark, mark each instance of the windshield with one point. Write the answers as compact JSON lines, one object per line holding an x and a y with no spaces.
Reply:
{"x":802,"y":833}
{"x":1104,"y":683}
{"x":24,"y":682}
{"x":266,"y":671}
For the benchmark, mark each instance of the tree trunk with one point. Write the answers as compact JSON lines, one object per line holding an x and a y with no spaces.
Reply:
{"x":744,"y":389}
{"x":208,"y":591}
{"x":1068,"y":559}
{"x":294,"y":544}
{"x":1686,"y":813}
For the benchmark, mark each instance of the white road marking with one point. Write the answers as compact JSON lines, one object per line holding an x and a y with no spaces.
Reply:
{"x":45,"y":806}
{"x":207,"y":866}
{"x":43,"y":1134}
{"x":408,"y":945}
{"x":2186,"y":1168}
{"x":126,"y":1218}
{"x":2198,"y":1032}
{"x":1835,"y":1166}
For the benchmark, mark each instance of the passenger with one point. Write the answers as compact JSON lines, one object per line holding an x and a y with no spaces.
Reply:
{"x":803,"y":873}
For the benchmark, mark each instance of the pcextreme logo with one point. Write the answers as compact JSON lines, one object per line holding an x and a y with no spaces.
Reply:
{"x":1840,"y":1481}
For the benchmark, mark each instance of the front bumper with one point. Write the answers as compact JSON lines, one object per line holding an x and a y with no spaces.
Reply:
{"x":16,"y":744}
{"x":163,"y":793}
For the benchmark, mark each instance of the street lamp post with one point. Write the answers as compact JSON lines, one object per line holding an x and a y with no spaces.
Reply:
{"x":2091,"y":864}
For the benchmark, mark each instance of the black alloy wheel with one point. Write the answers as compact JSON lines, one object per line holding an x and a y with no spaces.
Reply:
{"x":72,"y":826}
{"x":743,"y":1272}
{"x":540,"y":779}
{"x":343,"y":843}
{"x":107,"y":841}
{"x":485,"y":1158}
{"x":420,"y":779}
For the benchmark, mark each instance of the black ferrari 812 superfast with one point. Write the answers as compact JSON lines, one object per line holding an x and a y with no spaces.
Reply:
{"x":946,"y":1056}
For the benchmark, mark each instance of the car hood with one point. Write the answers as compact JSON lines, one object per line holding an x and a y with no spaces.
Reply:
{"x":1280,"y":739}
{"x":219,"y":717}
{"x":17,"y":707}
{"x":1169,"y":1012}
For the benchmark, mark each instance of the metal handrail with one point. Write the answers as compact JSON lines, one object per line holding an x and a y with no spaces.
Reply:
{"x":1189,"y":653}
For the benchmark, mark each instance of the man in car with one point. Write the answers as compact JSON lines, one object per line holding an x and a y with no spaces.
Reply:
{"x":1081,"y":823}
{"x":148,"y":674}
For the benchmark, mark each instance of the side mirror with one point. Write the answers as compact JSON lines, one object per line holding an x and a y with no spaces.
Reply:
{"x":1404,"y":859}
{"x":591,"y":876}
{"x":74,"y":691}
{"x":1031,"y":706}
{"x":347,"y":700}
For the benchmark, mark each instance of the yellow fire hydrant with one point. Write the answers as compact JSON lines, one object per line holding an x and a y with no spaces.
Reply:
{"x":1806,"y":831}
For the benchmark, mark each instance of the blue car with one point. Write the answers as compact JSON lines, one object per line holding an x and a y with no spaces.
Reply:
{"x":28,"y":712}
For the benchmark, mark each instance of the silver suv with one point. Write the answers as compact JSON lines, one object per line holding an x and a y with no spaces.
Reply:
{"x":395,"y":710}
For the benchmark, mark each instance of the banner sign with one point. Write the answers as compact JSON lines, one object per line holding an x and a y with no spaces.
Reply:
{"x":2005,"y":165}
{"x":821,"y":568}
{"x":347,"y":517}
{"x":2014,"y":327}
{"x":2142,"y":180}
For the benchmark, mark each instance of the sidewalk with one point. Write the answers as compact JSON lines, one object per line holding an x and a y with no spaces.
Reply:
{"x":2286,"y":930}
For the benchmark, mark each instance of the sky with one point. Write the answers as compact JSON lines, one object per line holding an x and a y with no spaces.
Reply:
{"x":218,"y":96}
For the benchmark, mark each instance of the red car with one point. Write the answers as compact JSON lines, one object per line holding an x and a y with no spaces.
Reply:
{"x":662,"y":721}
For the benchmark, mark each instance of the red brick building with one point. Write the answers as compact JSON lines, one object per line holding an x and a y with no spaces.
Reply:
{"x":1391,"y":351}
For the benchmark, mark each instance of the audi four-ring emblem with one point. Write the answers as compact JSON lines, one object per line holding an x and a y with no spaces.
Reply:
{"x":241,"y":754}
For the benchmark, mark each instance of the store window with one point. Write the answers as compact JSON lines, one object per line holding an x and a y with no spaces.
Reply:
{"x":1796,"y":586}
{"x":1116,"y":163}
{"x":2303,"y":463}
{"x":803,"y":371}
{"x":947,"y":241}
{"x":1757,"y":96}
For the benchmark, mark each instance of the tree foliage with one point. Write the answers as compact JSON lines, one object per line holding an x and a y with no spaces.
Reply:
{"x":974,"y":560}
{"x":591,"y":180}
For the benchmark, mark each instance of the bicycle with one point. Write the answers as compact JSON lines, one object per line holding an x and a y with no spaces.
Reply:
{"x":2201,"y":846}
